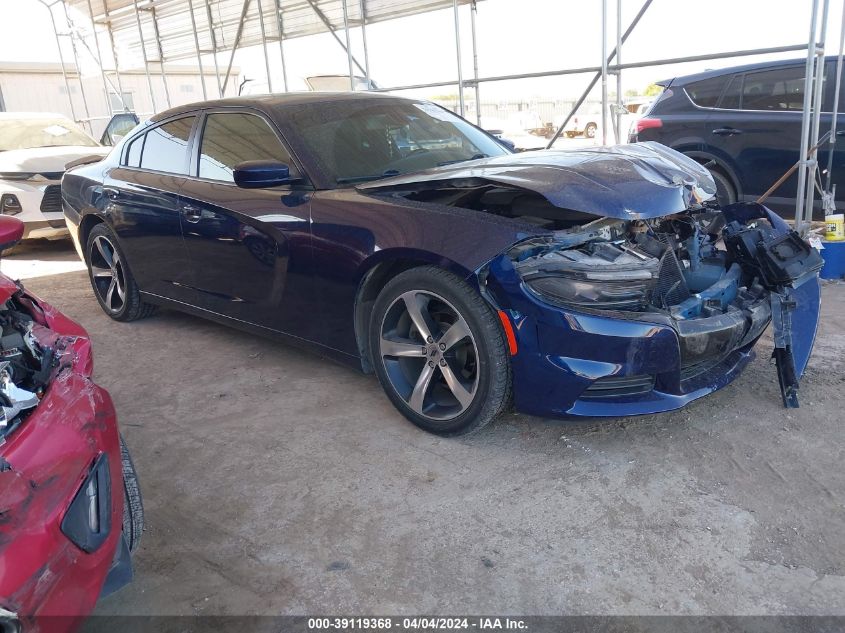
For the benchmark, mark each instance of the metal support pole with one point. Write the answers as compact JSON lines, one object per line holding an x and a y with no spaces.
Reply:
{"x":237,"y":41}
{"x":213,"y":46}
{"x":805,"y":119}
{"x":363,"y":7}
{"x":812,"y":155}
{"x":458,"y":53}
{"x":280,"y":22}
{"x":325,"y":20}
{"x":619,"y":105}
{"x":264,"y":45}
{"x":78,"y":68}
{"x":596,"y":77}
{"x":604,"y":72}
{"x":832,"y":140}
{"x":197,"y":48}
{"x":160,"y":54}
{"x":116,"y":63}
{"x":100,"y":59}
{"x":348,"y":47}
{"x":144,"y":54}
{"x":473,"y":10}
{"x":62,"y":61}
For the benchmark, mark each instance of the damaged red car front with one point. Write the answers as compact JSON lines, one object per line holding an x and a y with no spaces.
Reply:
{"x":70,"y":508}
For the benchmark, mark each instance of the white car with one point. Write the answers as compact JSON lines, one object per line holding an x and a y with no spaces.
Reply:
{"x":34,"y":150}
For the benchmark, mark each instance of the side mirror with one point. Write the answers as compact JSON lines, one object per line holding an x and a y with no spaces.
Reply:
{"x":260,"y":174}
{"x":11,"y":232}
{"x":507,"y":143}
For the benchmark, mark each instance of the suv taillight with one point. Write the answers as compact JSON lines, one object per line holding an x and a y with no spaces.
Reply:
{"x":646,"y":123}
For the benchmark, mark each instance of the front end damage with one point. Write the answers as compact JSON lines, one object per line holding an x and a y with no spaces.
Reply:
{"x":634,"y":292}
{"x":61,"y":493}
{"x":713,"y":277}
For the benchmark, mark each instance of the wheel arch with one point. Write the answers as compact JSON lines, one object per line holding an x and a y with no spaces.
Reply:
{"x":375,"y":272}
{"x":88,"y":222}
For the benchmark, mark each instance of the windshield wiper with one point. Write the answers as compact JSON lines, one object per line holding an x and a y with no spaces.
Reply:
{"x":462,"y":160}
{"x":386,"y":174}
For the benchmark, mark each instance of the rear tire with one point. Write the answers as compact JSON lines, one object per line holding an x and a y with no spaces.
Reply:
{"x":133,"y":503}
{"x":439,"y":352}
{"x":590,"y":130}
{"x":725,"y":192}
{"x":112,"y":281}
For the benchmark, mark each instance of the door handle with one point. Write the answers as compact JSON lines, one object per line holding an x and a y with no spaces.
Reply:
{"x":192,"y":214}
{"x":111,"y":193}
{"x":726,"y":131}
{"x":840,"y":133}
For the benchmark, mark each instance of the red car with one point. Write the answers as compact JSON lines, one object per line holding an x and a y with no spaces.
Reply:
{"x":70,"y":506}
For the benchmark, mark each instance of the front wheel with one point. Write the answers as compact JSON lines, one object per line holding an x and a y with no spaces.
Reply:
{"x":439,"y":352}
{"x":590,"y":130}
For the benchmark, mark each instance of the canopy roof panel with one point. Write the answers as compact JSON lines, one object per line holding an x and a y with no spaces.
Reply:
{"x":297,"y":18}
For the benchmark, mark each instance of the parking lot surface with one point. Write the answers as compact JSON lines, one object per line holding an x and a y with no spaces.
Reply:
{"x":277,"y":482}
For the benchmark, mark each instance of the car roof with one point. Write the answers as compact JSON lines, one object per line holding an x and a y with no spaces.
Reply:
{"x":707,"y":74}
{"x":271,"y":102}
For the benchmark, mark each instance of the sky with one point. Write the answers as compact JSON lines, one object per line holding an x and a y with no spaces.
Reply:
{"x":513,"y":36}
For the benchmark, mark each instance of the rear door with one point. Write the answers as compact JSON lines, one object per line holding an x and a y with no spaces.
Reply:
{"x":250,"y":249}
{"x":757,"y":130}
{"x":142,"y":204}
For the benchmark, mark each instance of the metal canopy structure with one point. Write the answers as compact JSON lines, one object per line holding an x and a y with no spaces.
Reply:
{"x":163,"y":31}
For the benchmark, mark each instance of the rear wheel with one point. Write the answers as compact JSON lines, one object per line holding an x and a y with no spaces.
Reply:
{"x":590,"y":130}
{"x":439,"y":352}
{"x":133,"y":504}
{"x":112,"y":281}
{"x":725,"y":192}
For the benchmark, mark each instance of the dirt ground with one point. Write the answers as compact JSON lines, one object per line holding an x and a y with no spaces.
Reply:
{"x":276,"y":482}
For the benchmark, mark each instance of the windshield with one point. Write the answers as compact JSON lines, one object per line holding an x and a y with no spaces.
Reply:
{"x":360,"y":140}
{"x":26,"y":133}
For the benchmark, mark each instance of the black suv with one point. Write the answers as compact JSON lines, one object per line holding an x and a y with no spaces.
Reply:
{"x":745,"y":124}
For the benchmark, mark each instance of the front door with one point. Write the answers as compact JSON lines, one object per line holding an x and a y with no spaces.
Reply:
{"x":250,"y":249}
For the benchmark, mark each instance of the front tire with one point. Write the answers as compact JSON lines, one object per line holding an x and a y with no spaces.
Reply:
{"x":590,"y":130}
{"x":112,"y":281}
{"x":133,"y":504}
{"x":439,"y":352}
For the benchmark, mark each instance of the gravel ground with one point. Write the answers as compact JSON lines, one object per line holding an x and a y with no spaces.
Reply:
{"x":276,"y":482}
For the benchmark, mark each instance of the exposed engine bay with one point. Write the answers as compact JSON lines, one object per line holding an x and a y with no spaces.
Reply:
{"x":25,"y":366}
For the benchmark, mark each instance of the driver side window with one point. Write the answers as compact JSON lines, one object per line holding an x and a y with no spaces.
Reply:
{"x":232,"y":138}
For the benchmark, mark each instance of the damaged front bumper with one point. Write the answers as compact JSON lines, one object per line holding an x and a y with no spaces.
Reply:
{"x":574,"y":360}
{"x":573,"y":363}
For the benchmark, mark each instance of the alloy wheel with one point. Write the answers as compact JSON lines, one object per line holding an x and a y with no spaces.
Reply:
{"x":429,"y":354}
{"x":108,"y":274}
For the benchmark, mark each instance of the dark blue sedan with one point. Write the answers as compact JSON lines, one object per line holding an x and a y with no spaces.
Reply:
{"x":394,"y":236}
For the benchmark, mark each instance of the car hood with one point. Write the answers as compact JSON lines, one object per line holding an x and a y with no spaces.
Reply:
{"x":45,"y":159}
{"x":644,"y":180}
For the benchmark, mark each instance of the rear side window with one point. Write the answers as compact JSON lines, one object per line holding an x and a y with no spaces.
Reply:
{"x":232,"y":138}
{"x":166,"y":147}
{"x":778,"y":89}
{"x":706,"y":93}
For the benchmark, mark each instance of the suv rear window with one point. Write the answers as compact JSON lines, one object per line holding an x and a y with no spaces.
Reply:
{"x":705,"y":93}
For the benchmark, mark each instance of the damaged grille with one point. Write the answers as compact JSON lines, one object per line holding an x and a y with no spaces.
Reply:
{"x":671,"y":286}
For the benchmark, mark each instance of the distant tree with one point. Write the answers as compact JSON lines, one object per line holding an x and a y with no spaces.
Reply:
{"x":632,"y":92}
{"x":653,"y":90}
